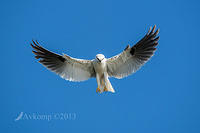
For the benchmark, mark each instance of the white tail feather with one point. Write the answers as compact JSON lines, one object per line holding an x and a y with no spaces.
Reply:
{"x":109,"y":86}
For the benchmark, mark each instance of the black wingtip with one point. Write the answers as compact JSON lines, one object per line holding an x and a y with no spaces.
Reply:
{"x":34,"y":43}
{"x":133,"y":49}
{"x":37,"y":42}
{"x":149,"y":30}
{"x":152,"y":31}
{"x":31,"y":45}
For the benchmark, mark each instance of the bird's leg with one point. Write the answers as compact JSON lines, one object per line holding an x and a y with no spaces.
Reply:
{"x":105,"y":88}
{"x":98,"y":90}
{"x":98,"y":82}
{"x":105,"y":82}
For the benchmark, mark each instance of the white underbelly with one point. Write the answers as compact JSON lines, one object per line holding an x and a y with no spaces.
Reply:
{"x":100,"y":68}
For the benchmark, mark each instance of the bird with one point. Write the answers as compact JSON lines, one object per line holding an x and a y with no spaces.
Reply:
{"x":131,"y":59}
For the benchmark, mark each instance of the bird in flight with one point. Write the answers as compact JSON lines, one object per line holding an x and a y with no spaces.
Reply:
{"x":101,"y":68}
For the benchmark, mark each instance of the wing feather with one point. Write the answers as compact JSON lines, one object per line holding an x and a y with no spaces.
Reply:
{"x":132,"y":58}
{"x":67,"y":67}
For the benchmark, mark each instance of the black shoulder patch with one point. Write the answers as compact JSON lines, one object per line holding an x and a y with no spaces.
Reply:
{"x":132,"y":51}
{"x":61,"y":58}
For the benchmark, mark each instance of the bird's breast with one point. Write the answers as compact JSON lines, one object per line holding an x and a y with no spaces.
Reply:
{"x":99,"y":67}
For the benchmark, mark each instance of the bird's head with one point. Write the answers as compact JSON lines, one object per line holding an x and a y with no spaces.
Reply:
{"x":100,"y":57}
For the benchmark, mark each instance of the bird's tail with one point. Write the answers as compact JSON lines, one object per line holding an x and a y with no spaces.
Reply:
{"x":109,"y":86}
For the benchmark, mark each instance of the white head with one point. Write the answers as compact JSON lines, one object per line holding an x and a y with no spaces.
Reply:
{"x":100,"y":57}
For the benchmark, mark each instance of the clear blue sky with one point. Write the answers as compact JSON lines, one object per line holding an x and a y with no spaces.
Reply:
{"x":162,"y":97}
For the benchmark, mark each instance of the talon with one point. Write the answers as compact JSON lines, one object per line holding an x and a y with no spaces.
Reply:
{"x":105,"y":89}
{"x":98,"y":90}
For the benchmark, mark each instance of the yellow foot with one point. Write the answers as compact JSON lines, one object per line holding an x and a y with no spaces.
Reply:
{"x":105,"y":89}
{"x":98,"y":90}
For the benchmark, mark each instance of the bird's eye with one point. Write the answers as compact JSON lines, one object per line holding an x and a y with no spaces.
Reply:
{"x":98,"y":59}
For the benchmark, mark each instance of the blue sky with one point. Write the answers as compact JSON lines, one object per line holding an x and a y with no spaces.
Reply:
{"x":163,"y":96}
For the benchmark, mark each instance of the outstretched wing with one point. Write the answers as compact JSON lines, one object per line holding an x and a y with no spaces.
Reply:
{"x":67,"y":67}
{"x":132,"y":58}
